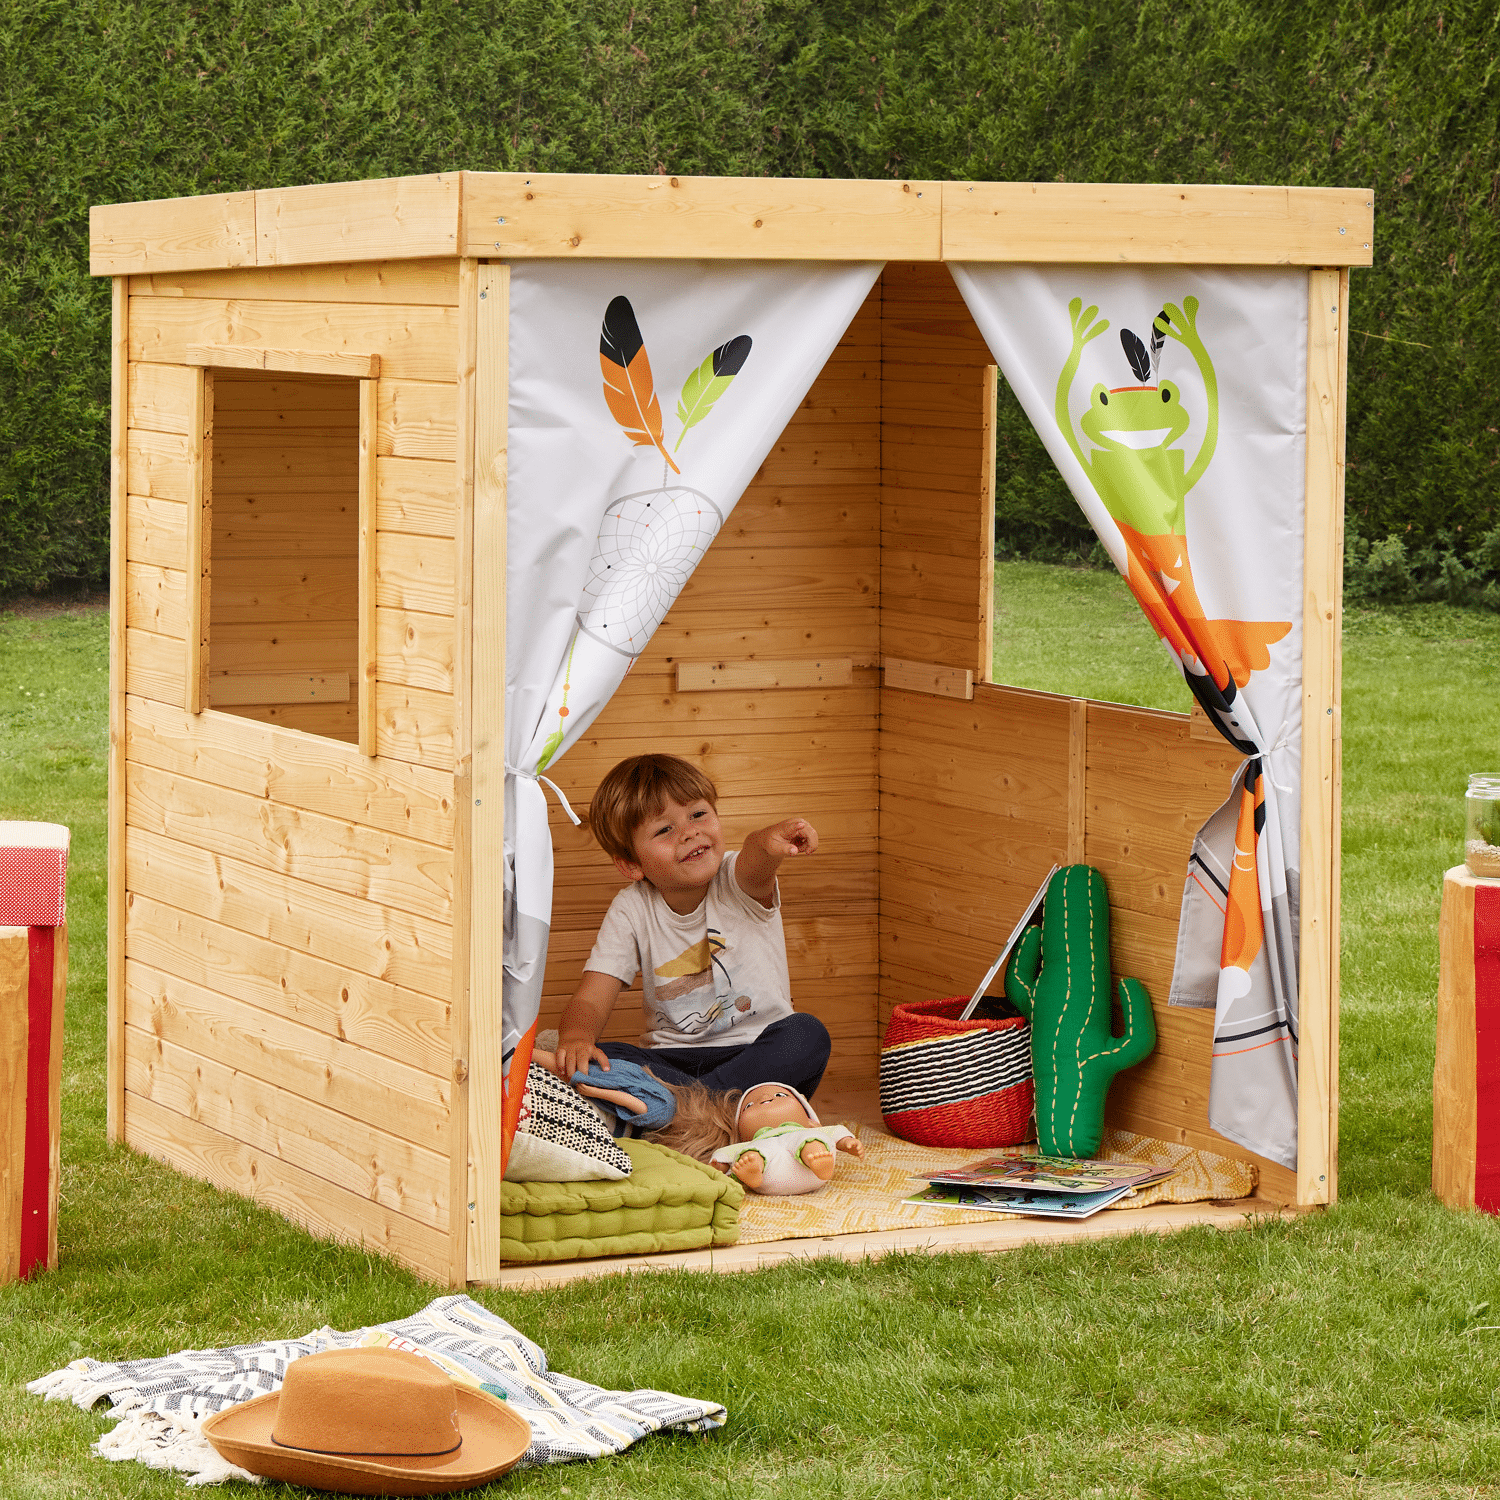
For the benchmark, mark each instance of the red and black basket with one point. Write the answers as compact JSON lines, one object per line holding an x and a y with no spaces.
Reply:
{"x":947,"y":1082}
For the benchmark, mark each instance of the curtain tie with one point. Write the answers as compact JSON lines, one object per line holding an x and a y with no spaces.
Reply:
{"x":557,"y":791}
{"x":1281,"y":742}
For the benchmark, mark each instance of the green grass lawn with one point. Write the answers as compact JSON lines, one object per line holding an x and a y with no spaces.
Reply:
{"x":1351,"y":1352}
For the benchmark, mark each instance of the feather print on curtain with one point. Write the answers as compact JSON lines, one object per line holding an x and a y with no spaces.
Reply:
{"x":609,"y":513}
{"x":1203,"y":545}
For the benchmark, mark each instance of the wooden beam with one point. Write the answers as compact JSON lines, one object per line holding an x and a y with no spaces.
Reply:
{"x":369,"y":411}
{"x":226,"y":691}
{"x":989,"y":401}
{"x":119,"y":347}
{"x":925,"y":677}
{"x":517,"y":214}
{"x":195,"y":638}
{"x":172,"y":234}
{"x":460,"y":500}
{"x":285,"y":361}
{"x":1317,"y":1068}
{"x":400,"y":217}
{"x":487,"y":778}
{"x":1157,"y":224}
{"x":635,"y":217}
{"x":740,"y":676}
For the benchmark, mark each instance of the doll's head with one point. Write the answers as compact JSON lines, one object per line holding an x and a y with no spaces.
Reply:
{"x":706,"y":1120}
{"x":770,"y":1104}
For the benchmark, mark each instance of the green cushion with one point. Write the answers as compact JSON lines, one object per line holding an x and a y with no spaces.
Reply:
{"x":669,"y":1202}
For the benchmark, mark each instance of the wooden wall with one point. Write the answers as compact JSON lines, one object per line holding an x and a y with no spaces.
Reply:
{"x":283,"y":907}
{"x":793,"y":576}
{"x":978,"y":798}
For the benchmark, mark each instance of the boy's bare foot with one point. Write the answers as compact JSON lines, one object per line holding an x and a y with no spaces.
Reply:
{"x":749,"y":1169}
{"x":818,"y":1160}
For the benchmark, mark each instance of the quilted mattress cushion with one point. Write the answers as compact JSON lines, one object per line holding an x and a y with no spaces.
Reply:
{"x":669,"y":1202}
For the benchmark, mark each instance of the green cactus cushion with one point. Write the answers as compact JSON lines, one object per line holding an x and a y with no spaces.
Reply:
{"x":1058,"y":978}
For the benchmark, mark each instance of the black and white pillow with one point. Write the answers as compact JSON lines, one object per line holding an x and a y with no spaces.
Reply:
{"x":560,"y":1138}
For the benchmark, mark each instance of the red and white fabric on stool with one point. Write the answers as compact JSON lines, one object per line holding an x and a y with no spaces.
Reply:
{"x":33,"y":985}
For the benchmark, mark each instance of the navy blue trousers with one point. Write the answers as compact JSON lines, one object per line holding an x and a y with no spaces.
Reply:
{"x":792,"y":1050}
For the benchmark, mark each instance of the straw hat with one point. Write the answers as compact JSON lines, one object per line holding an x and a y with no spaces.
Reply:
{"x":372,"y":1421}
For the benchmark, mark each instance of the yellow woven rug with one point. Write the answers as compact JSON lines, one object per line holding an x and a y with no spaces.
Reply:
{"x":865,"y":1196}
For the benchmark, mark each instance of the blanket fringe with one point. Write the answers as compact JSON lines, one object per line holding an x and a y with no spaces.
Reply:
{"x":169,"y":1441}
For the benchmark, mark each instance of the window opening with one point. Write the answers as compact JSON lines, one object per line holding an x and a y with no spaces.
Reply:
{"x":1063,"y":619}
{"x":282,"y":506}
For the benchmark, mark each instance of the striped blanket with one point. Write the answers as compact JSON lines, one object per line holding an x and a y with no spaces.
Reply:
{"x":162,"y":1402}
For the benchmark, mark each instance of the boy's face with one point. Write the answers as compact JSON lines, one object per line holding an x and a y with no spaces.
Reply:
{"x":679,"y":851}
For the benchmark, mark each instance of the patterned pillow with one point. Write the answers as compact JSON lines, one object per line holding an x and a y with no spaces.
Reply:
{"x":560,"y":1138}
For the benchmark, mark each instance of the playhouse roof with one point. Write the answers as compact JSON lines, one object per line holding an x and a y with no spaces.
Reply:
{"x":513,"y":215}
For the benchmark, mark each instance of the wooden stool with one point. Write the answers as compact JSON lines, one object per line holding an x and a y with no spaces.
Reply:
{"x":1466,"y":1076}
{"x":33,"y":986}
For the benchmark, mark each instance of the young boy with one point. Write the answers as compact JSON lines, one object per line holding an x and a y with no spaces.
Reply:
{"x":702,"y":927}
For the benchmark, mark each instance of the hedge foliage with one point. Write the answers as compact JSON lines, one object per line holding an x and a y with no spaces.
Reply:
{"x":110,"y":100}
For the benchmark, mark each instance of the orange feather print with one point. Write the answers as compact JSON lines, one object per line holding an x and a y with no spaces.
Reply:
{"x":628,"y":388}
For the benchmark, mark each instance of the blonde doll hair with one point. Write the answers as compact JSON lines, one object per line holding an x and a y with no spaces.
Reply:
{"x":704,"y":1121}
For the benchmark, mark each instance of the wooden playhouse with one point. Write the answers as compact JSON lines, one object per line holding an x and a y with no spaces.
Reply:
{"x":308,"y":579}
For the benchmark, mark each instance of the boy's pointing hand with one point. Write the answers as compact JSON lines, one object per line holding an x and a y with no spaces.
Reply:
{"x":795,"y":836}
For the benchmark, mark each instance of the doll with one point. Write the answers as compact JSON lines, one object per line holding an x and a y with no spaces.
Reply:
{"x":778,"y":1146}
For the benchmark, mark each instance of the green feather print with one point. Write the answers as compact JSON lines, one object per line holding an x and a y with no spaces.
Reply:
{"x":708,"y":382}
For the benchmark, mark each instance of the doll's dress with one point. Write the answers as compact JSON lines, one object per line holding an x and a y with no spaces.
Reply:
{"x":779,"y":1144}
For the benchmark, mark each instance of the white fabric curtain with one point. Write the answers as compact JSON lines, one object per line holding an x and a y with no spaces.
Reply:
{"x":1173,"y":401}
{"x":643,"y":398}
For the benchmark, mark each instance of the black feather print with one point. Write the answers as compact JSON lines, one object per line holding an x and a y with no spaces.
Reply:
{"x":1135,"y":352}
{"x":1158,"y":338}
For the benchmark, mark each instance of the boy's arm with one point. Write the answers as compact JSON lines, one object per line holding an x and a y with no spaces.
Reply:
{"x":582,"y":1020}
{"x":763,"y":851}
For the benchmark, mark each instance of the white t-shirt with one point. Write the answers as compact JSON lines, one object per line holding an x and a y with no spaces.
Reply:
{"x":716,"y":977}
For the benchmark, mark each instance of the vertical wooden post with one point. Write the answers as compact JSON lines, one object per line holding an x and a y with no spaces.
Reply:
{"x":487,"y":729}
{"x":987,"y":527}
{"x":1456,"y":1073}
{"x":195,"y":672}
{"x":459,"y":1193}
{"x":1317,"y":1071}
{"x":369,"y":399}
{"x":119,"y":387}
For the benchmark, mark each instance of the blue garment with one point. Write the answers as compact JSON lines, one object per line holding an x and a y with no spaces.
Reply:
{"x":628,"y":1078}
{"x":793,"y":1050}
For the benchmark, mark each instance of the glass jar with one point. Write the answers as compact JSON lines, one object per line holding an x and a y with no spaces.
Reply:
{"x":1482,"y":837}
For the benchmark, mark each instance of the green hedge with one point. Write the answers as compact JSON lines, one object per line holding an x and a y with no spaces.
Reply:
{"x":105,"y":101}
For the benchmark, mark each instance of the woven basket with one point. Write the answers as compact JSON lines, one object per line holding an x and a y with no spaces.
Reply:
{"x":946,"y":1082}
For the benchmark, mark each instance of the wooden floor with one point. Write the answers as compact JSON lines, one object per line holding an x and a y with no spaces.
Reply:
{"x":984,"y":1234}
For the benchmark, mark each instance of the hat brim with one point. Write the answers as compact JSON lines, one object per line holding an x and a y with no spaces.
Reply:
{"x":494,"y":1439}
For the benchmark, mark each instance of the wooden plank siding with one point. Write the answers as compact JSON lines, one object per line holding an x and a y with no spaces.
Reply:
{"x":284,"y":986}
{"x":933,"y":456}
{"x":796,"y":564}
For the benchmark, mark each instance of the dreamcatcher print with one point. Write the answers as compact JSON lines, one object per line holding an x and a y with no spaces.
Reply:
{"x":649,"y":541}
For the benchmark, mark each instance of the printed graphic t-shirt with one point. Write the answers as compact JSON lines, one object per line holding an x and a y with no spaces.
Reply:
{"x":716,"y":977}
